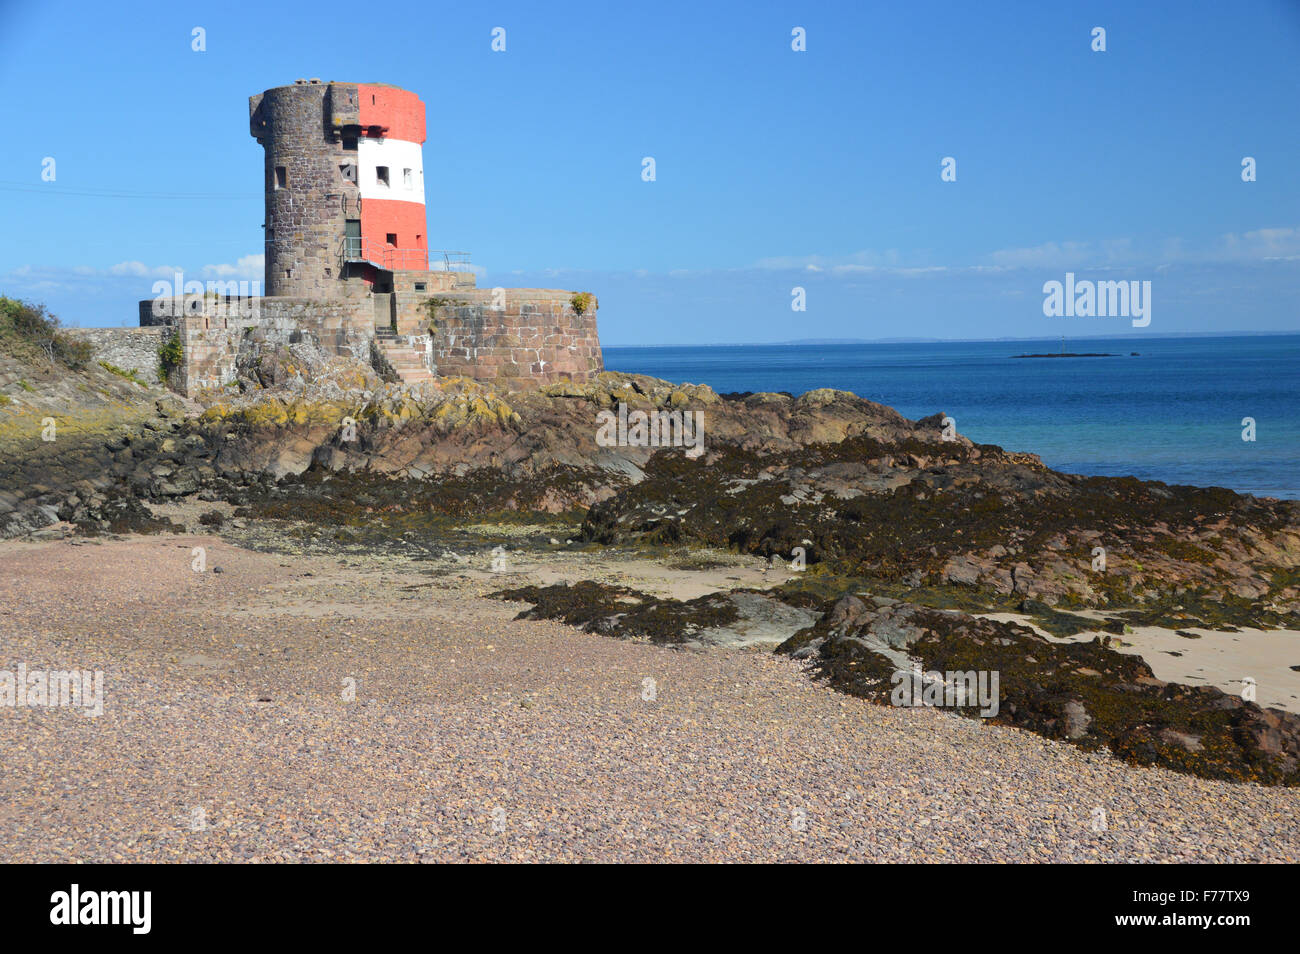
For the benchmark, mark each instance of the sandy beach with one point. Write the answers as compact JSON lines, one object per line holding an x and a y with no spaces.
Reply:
{"x":229,"y":734}
{"x":1204,"y":657}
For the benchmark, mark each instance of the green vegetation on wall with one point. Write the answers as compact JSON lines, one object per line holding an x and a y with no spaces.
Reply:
{"x":170,"y":355}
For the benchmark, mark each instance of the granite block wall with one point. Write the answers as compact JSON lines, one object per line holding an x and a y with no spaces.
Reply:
{"x":519,"y":338}
{"x":213,"y":332}
{"x":131,"y":349}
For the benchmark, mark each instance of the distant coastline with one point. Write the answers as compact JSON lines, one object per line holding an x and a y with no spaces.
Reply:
{"x":822,"y":342}
{"x":1076,"y":354}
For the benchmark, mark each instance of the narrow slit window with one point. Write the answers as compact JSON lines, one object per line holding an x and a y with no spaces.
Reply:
{"x":281,"y":177}
{"x":381,"y":174}
{"x":406,"y":178}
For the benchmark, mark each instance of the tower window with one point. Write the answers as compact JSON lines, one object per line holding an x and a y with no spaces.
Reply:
{"x":419,"y":286}
{"x":281,"y":177}
{"x":349,"y":170}
{"x":350,"y":143}
{"x":406,"y":178}
{"x":381,"y":173}
{"x":391,"y":238}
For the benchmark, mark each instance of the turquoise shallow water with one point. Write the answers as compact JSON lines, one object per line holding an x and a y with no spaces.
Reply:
{"x":1172,"y":413}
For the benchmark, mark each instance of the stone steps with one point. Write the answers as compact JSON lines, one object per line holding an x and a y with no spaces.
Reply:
{"x":406,"y":361}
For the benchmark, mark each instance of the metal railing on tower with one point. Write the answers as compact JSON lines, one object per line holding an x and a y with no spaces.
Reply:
{"x":390,"y":258}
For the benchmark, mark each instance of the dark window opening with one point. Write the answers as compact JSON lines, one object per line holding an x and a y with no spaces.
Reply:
{"x":281,"y":177}
{"x":350,"y":143}
{"x":288,"y":273}
{"x":391,"y":237}
{"x":328,"y":272}
{"x":381,"y":173}
{"x":419,"y":286}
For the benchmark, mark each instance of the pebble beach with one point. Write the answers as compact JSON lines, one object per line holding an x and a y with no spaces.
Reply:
{"x":323,"y":708}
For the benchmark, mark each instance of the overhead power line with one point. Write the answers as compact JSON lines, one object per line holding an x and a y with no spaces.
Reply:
{"x":53,"y":189}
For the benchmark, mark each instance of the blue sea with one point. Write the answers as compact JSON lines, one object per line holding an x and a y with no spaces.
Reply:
{"x":1173,"y":412}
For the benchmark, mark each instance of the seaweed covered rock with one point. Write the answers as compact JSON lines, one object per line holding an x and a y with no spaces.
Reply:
{"x":1082,"y":692}
{"x":898,"y":503}
{"x":737,"y":619}
{"x":623,"y":612}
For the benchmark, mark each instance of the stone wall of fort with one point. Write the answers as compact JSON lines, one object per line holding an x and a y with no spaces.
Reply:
{"x":213,"y":331}
{"x":131,"y":349}
{"x":516,"y":338}
{"x":519,"y":338}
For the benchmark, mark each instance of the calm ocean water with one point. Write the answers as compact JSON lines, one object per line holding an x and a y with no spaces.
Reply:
{"x":1172,"y":413}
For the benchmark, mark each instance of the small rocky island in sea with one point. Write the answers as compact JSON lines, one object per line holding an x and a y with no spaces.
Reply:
{"x":1072,"y":354}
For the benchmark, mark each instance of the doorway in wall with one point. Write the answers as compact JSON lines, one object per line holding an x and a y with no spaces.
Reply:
{"x":352,"y":240}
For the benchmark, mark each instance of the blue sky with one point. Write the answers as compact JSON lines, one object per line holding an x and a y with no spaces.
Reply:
{"x":774,"y":168}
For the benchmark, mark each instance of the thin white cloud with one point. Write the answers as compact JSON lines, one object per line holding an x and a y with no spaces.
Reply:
{"x":1258,"y":245}
{"x":1263,"y":244}
{"x":132,"y":269}
{"x":251,"y":267}
{"x":248,"y":266}
{"x":866,"y":258}
{"x":1047,"y":255}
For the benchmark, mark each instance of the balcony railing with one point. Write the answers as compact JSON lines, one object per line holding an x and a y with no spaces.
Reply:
{"x":393,"y":259}
{"x":441,"y":260}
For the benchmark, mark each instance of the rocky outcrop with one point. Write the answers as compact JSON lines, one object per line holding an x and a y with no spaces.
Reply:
{"x":78,"y":447}
{"x":860,"y":491}
{"x":894,"y":502}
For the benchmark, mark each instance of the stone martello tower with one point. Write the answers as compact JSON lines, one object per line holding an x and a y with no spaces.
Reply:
{"x":344,"y":182}
{"x":349,"y":272}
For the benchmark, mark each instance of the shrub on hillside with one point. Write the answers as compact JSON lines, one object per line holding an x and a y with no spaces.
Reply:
{"x":31,"y":334}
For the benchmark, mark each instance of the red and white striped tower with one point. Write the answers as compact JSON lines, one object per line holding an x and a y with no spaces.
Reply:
{"x":390,"y":177}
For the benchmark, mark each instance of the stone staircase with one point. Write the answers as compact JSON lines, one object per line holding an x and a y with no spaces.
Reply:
{"x":407,"y":362}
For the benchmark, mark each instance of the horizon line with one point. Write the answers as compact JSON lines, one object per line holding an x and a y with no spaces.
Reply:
{"x":814,"y":342}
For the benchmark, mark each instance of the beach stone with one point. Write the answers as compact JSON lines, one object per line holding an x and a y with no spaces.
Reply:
{"x":1076,"y":719}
